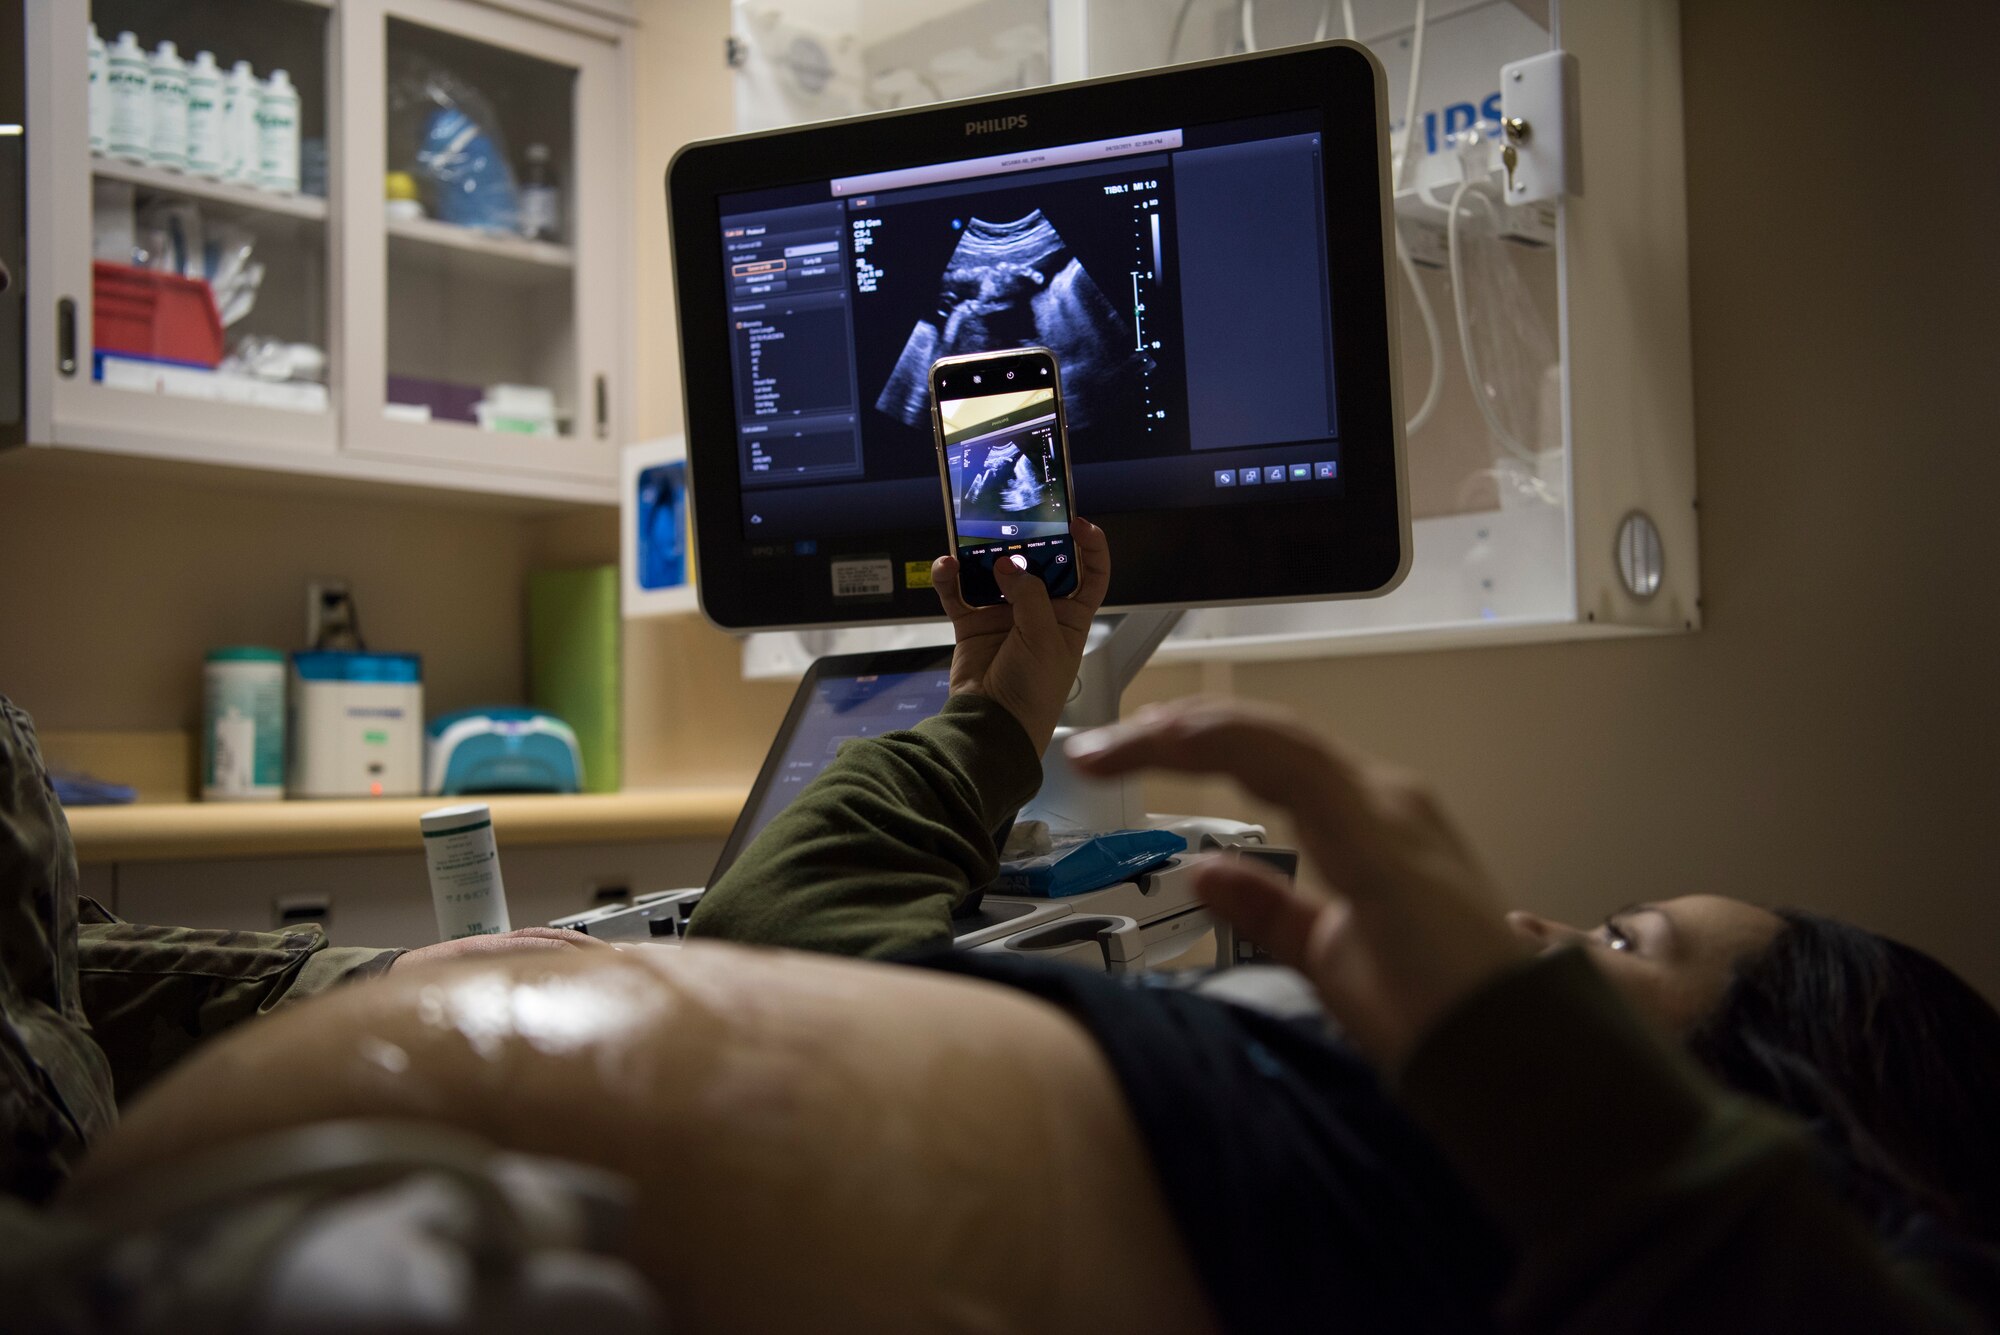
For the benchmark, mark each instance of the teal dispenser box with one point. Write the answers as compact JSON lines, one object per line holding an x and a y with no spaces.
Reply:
{"x":501,"y":751}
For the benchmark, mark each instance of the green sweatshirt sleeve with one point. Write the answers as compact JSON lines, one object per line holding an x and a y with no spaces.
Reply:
{"x":872,"y":857}
{"x":1640,"y":1196}
{"x":153,"y":994}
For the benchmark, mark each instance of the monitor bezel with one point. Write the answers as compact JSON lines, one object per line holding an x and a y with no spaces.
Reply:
{"x":1356,"y":544}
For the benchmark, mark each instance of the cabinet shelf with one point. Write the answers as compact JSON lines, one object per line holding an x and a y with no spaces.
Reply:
{"x":310,"y":208}
{"x":429,"y":233}
{"x":172,"y":832}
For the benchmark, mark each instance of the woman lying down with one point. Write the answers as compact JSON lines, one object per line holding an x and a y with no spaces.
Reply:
{"x":1501,"y":1136}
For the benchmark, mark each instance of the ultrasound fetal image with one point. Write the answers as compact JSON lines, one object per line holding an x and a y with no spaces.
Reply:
{"x":1012,"y":285}
{"x":1009,"y":476}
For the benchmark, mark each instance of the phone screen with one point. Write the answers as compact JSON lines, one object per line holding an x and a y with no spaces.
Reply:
{"x":1006,"y":472}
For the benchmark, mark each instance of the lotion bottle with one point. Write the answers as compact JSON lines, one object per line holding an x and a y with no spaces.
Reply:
{"x":239,"y":123}
{"x":278,"y":135}
{"x":129,"y":85}
{"x":100,"y":92}
{"x":204,"y":117}
{"x":170,"y":109}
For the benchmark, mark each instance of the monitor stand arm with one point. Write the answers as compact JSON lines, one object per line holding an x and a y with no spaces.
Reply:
{"x":1119,"y":647}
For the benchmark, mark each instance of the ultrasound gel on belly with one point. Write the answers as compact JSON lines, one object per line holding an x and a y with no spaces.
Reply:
{"x":465,"y":871}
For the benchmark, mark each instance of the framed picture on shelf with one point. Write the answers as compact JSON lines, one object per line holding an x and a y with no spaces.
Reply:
{"x":656,"y":553}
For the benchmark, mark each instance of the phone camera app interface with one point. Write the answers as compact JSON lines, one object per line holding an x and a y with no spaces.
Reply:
{"x":1009,"y":495}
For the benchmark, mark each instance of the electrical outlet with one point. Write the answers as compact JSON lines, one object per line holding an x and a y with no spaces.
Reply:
{"x":293,"y":910}
{"x":331,"y":622}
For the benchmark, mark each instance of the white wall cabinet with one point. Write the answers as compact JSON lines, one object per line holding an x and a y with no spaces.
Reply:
{"x":418,"y":322}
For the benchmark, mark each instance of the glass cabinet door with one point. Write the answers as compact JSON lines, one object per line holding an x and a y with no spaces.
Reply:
{"x":487,"y":211}
{"x":195,"y":294}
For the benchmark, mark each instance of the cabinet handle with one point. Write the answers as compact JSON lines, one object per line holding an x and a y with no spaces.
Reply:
{"x":66,"y":336}
{"x":603,"y":407}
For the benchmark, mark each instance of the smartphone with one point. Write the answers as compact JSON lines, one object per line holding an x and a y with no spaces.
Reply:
{"x":1003,"y":459}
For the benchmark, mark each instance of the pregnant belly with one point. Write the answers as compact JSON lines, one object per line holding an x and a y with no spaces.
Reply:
{"x":809,"y":1138}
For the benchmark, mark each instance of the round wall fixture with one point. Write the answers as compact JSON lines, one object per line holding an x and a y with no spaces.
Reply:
{"x":1642,"y":560}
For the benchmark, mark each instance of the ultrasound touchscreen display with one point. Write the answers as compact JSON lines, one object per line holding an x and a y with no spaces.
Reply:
{"x":840,"y":709}
{"x":1180,"y":277}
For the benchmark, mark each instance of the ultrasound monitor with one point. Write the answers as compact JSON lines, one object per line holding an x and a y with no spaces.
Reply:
{"x":1205,"y":249}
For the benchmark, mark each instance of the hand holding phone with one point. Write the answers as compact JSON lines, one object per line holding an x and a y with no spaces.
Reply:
{"x":1003,"y":461}
{"x":1025,"y":653}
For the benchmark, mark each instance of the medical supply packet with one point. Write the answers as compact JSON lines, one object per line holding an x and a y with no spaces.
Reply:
{"x":1075,"y":864}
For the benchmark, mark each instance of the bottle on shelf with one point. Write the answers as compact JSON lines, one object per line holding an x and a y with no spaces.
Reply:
{"x":204,"y":116}
{"x":170,"y":103}
{"x":239,"y":123}
{"x":278,"y":135}
{"x":100,"y":93}
{"x":541,"y":197}
{"x":129,"y":86}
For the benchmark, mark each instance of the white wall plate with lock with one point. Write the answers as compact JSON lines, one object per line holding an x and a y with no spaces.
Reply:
{"x":1540,"y":95}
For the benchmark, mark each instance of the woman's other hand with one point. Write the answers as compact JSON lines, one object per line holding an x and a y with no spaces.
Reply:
{"x":1413,"y":924}
{"x":1024,"y":653}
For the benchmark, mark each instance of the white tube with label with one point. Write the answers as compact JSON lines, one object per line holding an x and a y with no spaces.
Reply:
{"x":465,"y":871}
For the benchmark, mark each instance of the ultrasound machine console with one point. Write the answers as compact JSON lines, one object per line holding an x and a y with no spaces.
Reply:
{"x":1205,"y":248}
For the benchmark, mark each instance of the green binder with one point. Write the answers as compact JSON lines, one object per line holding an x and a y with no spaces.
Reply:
{"x":573,"y":668}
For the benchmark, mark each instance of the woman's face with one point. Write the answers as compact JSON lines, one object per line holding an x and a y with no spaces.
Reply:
{"x":1673,"y":959}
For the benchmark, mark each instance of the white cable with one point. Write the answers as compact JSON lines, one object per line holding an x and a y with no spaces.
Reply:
{"x":1479,"y":395}
{"x":1402,"y":164}
{"x":1423,"y":195}
{"x":1325,"y":24}
{"x":1243,"y":8}
{"x":1432,"y":337}
{"x":1435,"y":389}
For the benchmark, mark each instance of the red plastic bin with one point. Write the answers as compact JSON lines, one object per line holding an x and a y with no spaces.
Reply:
{"x":141,"y":313}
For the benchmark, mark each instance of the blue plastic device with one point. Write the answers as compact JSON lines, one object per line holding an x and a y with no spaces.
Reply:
{"x":501,"y":751}
{"x":1087,"y":862}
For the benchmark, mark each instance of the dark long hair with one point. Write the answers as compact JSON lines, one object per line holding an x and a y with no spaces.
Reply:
{"x":1891,"y":1058}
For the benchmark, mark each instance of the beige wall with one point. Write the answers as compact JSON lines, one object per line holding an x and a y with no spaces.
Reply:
{"x":684,"y":93}
{"x":116,"y":578}
{"x":1831,"y":738}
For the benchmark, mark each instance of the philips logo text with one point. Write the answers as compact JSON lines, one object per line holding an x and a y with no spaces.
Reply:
{"x":997,"y":124}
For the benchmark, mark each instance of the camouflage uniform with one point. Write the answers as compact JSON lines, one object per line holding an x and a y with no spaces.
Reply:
{"x":152,"y":994}
{"x":91,"y":1008}
{"x":333,"y":1227}
{"x":55,"y":1084}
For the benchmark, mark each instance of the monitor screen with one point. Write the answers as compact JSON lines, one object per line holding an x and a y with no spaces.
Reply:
{"x":1205,"y":280}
